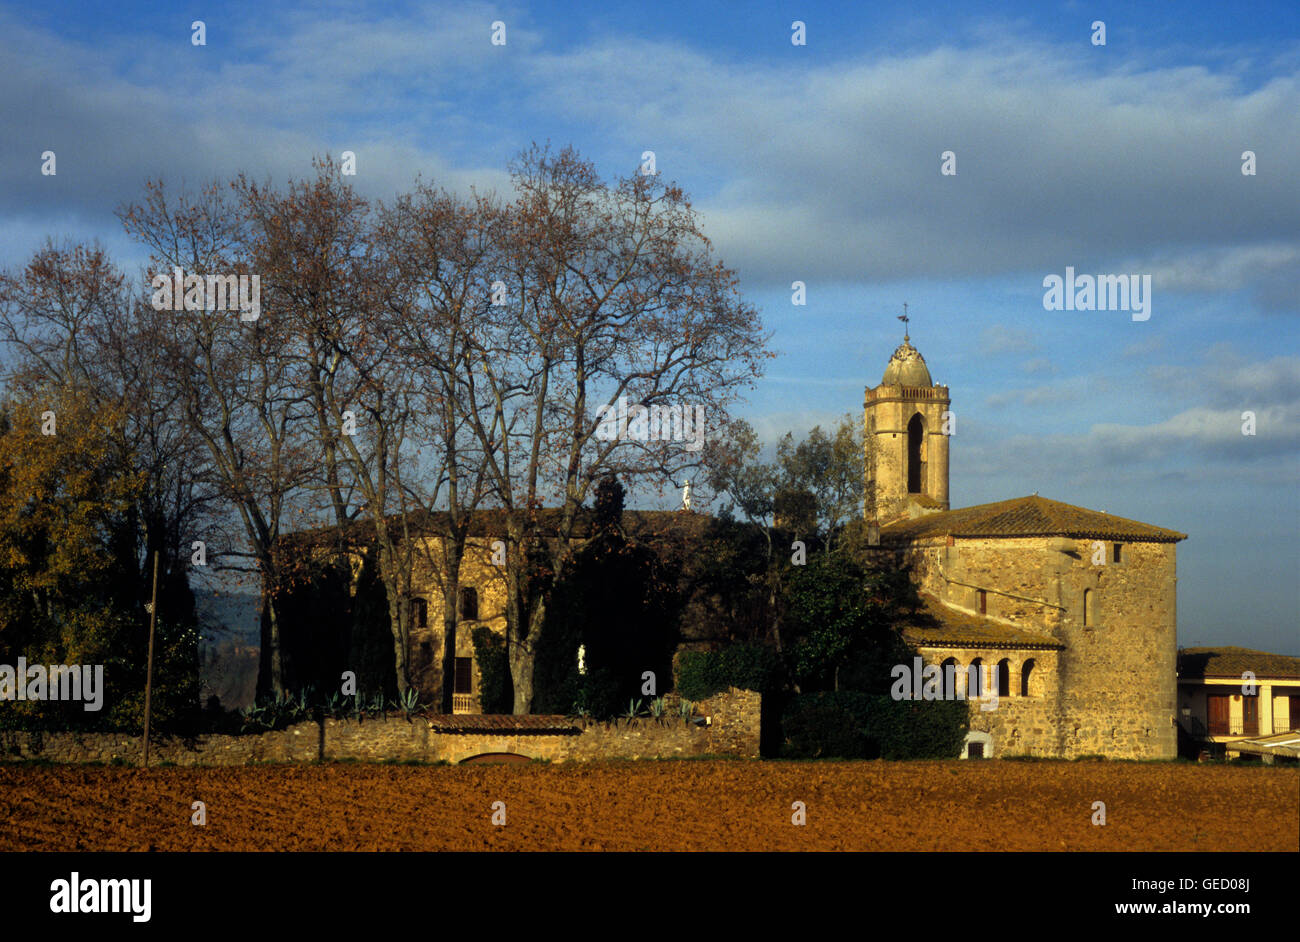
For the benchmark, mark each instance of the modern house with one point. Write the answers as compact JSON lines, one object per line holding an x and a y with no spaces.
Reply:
{"x":1229,"y":694}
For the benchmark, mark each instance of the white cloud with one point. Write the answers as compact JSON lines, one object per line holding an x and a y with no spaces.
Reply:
{"x":1056,"y":166}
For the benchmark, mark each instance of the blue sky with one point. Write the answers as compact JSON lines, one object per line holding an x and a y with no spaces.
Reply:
{"x":818,"y":163}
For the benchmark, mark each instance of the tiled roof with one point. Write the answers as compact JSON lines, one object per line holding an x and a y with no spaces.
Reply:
{"x":501,"y":723}
{"x":938,"y":625}
{"x":1233,"y":662}
{"x":1027,"y":516}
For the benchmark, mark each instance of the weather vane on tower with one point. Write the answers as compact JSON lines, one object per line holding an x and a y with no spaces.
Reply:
{"x":904,"y":318}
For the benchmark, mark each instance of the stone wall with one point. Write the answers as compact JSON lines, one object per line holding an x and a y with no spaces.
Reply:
{"x":1018,"y":725}
{"x":727,"y":724}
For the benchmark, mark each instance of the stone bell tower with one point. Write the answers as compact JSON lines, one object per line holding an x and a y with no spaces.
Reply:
{"x":906,"y":440}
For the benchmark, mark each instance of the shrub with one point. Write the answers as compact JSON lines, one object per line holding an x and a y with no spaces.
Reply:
{"x":496,"y":692}
{"x":825,"y":725}
{"x":852,"y":725}
{"x":747,"y":666}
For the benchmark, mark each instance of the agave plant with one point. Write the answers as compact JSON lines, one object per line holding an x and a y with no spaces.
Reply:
{"x":334,"y":705}
{"x":657,"y":707}
{"x":634,"y":709}
{"x":579,"y":711}
{"x":410,"y":701}
{"x":687,"y":709}
{"x":255,"y":716}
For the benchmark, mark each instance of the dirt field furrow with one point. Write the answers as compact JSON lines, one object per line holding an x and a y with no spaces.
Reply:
{"x":697,"y":805}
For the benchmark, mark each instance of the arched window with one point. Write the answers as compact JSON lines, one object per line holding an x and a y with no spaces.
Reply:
{"x":1026,"y":669}
{"x":1004,"y":678}
{"x":1089,"y":616}
{"x":975,"y":679}
{"x":915,"y":454}
{"x":948,"y":677}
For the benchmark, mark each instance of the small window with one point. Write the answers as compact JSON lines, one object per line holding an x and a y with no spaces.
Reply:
{"x":1089,"y":616}
{"x":469,"y":603}
{"x":464,"y":675}
{"x":1026,"y":670}
{"x":1117,"y":553}
{"x":419,"y":613}
{"x":984,"y":602}
{"x":975,"y":750}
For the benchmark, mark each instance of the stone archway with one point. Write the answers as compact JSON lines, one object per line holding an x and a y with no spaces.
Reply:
{"x":500,"y":758}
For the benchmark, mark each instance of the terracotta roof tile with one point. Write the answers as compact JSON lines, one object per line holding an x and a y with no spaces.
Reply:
{"x":1233,"y":662}
{"x":1027,"y":516}
{"x":937,"y":625}
{"x":503,"y":723}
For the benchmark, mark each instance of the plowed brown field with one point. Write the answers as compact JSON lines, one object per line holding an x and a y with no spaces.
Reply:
{"x":696,"y":805}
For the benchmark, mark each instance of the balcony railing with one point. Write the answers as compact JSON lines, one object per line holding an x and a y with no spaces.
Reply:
{"x":462,"y":703}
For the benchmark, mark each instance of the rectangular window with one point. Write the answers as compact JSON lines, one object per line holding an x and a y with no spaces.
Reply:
{"x":984,"y":602}
{"x":464,"y":675}
{"x":469,"y":603}
{"x":1117,"y":553}
{"x":419,"y":613}
{"x":1295,"y":713}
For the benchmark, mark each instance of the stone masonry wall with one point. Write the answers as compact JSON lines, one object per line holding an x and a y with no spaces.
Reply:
{"x":1117,"y":675}
{"x":1018,"y":725}
{"x":731,"y":729}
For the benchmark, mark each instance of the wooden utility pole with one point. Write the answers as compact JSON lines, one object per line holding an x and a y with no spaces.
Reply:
{"x":148,"y":677}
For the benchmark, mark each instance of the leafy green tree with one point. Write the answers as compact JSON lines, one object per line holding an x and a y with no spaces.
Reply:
{"x":68,"y":587}
{"x":821,"y":479}
{"x":845,"y":620}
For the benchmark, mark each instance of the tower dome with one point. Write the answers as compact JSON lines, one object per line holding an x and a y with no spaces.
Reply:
{"x":907,"y":368}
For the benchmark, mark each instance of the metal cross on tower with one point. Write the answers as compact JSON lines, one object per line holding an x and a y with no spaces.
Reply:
{"x":904,"y":318}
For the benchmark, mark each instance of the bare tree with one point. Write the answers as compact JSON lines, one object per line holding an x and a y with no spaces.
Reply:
{"x":314,"y":241}
{"x":234,"y":389}
{"x":439,"y":254}
{"x":615,"y":302}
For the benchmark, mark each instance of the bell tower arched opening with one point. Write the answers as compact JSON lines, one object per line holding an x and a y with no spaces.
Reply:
{"x":915,"y":454}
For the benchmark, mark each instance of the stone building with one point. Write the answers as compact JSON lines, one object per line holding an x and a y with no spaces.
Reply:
{"x":1058,"y":623}
{"x":439,"y":658}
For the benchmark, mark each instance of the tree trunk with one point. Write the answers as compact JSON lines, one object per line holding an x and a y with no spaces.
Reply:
{"x":450,"y":615}
{"x":399,"y":620}
{"x":270,"y":675}
{"x":519,"y":638}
